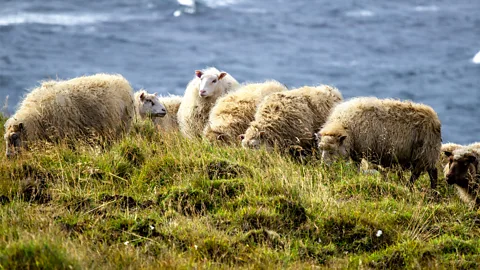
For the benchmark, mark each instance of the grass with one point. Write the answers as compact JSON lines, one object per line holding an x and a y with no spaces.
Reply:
{"x":156,"y":201}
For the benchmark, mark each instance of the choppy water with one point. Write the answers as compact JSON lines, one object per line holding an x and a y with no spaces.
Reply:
{"x":418,"y":50}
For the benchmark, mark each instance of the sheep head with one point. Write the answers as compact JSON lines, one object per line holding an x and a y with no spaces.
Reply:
{"x":462,"y":167}
{"x":208,"y":83}
{"x":332,"y":147}
{"x":14,"y":135}
{"x":150,"y":105}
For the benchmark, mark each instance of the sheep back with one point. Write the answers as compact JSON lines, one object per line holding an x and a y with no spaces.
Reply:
{"x":387,"y":132}
{"x":232,"y":113}
{"x":291,"y":117}
{"x":98,"y":105}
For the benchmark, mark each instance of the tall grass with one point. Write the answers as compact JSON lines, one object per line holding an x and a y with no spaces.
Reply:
{"x":157,"y":200}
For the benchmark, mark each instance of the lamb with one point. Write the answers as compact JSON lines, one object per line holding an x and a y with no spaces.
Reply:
{"x":291,"y":118}
{"x":148,"y":105}
{"x":89,"y":107}
{"x":447,"y":150}
{"x":232,"y":113}
{"x":385,"y":132}
{"x":169,"y":122}
{"x":464,"y":173}
{"x":200,"y":96}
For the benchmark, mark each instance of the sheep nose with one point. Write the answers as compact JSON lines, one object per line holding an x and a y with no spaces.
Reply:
{"x":203,"y":92}
{"x":164,"y":111}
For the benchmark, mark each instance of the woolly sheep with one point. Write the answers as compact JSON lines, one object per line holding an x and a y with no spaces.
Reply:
{"x":232,"y":113}
{"x":448,"y":148}
{"x":98,"y":106}
{"x":386,"y":132}
{"x":148,"y":105}
{"x":291,"y":118}
{"x":169,"y":122}
{"x":200,"y":96}
{"x":464,"y":172}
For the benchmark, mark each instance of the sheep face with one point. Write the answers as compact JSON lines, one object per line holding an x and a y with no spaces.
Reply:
{"x":208,"y":83}
{"x":462,"y":168}
{"x":150,"y":105}
{"x":254,"y":139}
{"x":332,"y":148}
{"x":13,"y":138}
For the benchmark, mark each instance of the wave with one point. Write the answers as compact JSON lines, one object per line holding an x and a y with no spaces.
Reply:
{"x":360,"y":13}
{"x":431,"y":8}
{"x":53,"y":19}
{"x":476,"y":58}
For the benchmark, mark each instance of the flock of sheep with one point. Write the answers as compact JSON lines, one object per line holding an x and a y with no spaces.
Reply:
{"x":386,"y":132}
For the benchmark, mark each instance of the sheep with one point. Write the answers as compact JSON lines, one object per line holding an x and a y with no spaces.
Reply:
{"x":291,"y":118}
{"x":447,"y":150}
{"x":232,"y":113}
{"x":148,"y":105}
{"x":464,"y":173}
{"x":89,"y":107}
{"x":169,"y":122}
{"x":385,"y":132}
{"x":200,"y":96}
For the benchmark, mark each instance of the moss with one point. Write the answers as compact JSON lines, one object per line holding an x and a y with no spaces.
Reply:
{"x":34,"y":255}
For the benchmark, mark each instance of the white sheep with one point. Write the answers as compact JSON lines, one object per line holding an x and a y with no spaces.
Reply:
{"x":169,"y":122}
{"x":291,"y":118}
{"x":99,"y":107}
{"x":148,"y":105}
{"x":385,"y":132}
{"x":232,"y":113}
{"x":200,"y":96}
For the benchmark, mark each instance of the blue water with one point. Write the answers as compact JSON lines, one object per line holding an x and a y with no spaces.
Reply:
{"x":418,"y":50}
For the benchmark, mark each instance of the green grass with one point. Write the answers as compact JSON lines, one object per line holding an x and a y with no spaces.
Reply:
{"x":159,"y":201}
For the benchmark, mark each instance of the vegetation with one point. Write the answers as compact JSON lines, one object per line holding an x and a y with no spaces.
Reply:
{"x":156,"y":201}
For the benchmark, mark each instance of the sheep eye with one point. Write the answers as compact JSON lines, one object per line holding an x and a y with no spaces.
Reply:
{"x":214,"y":81}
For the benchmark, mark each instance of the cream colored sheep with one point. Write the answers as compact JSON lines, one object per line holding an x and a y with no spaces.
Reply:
{"x":291,"y":118}
{"x":232,"y":113}
{"x":200,"y":96}
{"x":169,"y":122}
{"x":386,"y":132}
{"x":148,"y":105}
{"x":464,"y":172}
{"x":98,"y":106}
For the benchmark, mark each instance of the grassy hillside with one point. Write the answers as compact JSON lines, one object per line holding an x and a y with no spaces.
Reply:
{"x":160,"y":201}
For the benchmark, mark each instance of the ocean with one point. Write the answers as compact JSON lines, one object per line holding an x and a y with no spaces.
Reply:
{"x":418,"y":50}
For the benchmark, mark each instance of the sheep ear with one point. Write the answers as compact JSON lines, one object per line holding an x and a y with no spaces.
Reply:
{"x":342,"y":138}
{"x":142,"y":96}
{"x":223,"y":74}
{"x":472,"y":159}
{"x":241,"y":137}
{"x":198,"y":73}
{"x":447,"y":153}
{"x":20,"y":126}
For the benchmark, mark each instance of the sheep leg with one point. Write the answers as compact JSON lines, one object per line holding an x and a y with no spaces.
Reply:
{"x":415,"y":175}
{"x":433,"y":174}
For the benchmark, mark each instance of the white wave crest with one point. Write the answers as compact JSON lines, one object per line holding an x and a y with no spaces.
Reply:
{"x":476,"y":58}
{"x":360,"y":13}
{"x":432,"y":8}
{"x":220,"y":3}
{"x":53,"y":19}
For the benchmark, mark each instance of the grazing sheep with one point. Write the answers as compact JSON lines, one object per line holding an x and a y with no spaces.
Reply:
{"x":169,"y":122}
{"x":232,"y":113}
{"x":291,"y":118}
{"x":447,"y":149}
{"x":464,"y":173}
{"x":200,"y":96}
{"x":89,"y":107}
{"x":385,"y":132}
{"x":148,"y":105}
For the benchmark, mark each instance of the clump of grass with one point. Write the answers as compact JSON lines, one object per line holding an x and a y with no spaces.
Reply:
{"x":157,"y":199}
